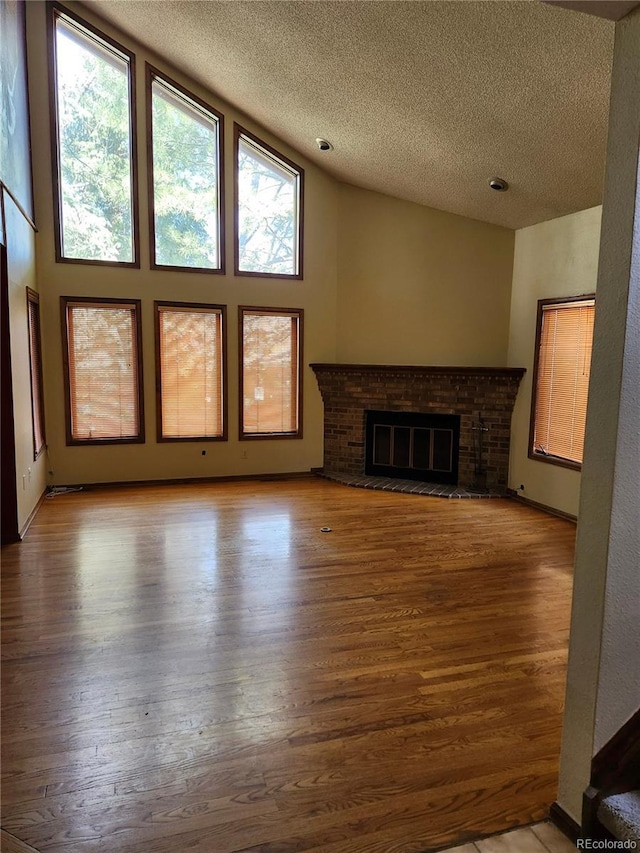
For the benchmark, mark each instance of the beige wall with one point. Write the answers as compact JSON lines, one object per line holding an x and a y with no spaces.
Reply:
{"x":552,"y":259}
{"x":316,"y":295}
{"x":20,"y":240}
{"x":420,"y":286}
{"x":31,"y":475}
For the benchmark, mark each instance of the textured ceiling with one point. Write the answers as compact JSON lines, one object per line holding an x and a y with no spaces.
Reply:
{"x":422,"y":100}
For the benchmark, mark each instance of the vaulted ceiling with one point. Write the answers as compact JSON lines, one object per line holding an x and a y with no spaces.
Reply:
{"x":425,"y":101}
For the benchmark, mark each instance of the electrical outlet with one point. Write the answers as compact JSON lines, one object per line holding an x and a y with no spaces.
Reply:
{"x":243,"y":455}
{"x":24,"y":482}
{"x":29,"y":474}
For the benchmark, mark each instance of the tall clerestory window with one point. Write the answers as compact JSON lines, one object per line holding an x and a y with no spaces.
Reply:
{"x":94,"y":144}
{"x":269,"y":201}
{"x":185,"y":176}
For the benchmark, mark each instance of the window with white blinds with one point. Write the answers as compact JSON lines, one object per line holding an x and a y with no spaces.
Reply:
{"x":35,"y":365}
{"x":103,"y":370}
{"x":561,"y":379}
{"x":270,"y":369}
{"x":190,"y":365}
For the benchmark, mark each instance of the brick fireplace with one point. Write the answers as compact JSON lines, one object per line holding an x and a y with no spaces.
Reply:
{"x":479,"y":395}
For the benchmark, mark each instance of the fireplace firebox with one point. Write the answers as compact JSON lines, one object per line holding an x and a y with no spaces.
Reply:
{"x":412,"y":445}
{"x":470,"y":393}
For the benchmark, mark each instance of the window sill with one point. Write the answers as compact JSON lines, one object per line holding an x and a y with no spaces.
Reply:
{"x":281,"y":275}
{"x":95,"y":442}
{"x":555,"y":460}
{"x":259,"y":436}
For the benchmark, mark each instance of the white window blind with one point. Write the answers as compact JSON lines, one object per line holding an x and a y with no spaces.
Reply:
{"x":270,"y":372}
{"x":103,"y":371}
{"x":563,"y":369}
{"x":190,"y":349}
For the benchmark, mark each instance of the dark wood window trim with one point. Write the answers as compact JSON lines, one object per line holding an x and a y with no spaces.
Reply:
{"x":37,"y":387}
{"x":541,"y":457}
{"x":222,"y":310}
{"x":277,"y":312}
{"x":152,"y":74}
{"x":239,"y":131}
{"x":70,"y":301}
{"x":55,"y":11}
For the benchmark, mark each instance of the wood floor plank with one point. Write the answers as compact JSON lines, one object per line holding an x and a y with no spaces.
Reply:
{"x":198,"y":667}
{"x":10,"y":844}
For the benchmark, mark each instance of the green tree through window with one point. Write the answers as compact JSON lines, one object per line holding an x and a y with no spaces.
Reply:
{"x":185,"y":180}
{"x":269,"y":202}
{"x":94,"y":148}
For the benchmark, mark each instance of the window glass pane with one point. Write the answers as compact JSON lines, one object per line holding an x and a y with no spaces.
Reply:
{"x":270,"y":365}
{"x":103,"y":372}
{"x":268,"y":218}
{"x":94,"y":143}
{"x":185,"y":182}
{"x":35,"y":357}
{"x":191,"y":372}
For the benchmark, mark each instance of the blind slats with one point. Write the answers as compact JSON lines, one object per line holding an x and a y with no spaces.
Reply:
{"x":191,"y":370}
{"x":270,"y":366}
{"x":103,"y":371}
{"x":564,"y":359}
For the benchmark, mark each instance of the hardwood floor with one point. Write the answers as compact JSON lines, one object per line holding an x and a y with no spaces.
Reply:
{"x":199,"y":668}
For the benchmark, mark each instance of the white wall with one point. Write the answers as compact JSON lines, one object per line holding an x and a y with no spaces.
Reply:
{"x":552,"y":259}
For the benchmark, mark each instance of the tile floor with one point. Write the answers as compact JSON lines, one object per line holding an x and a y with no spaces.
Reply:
{"x":538,"y":838}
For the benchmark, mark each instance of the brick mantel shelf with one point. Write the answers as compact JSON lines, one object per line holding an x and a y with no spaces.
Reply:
{"x":349,"y":390}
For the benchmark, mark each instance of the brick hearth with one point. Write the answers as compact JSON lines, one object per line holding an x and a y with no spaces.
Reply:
{"x":349,"y":390}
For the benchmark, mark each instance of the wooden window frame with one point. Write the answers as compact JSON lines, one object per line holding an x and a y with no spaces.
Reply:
{"x":153,"y":73}
{"x":222,"y":309}
{"x":238,"y":132}
{"x":541,"y":457}
{"x":54,"y":12}
{"x":71,"y":301}
{"x":37,"y":399}
{"x":277,"y":312}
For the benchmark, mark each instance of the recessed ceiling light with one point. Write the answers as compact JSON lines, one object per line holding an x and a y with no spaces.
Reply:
{"x":323,"y":144}
{"x":498,"y":184}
